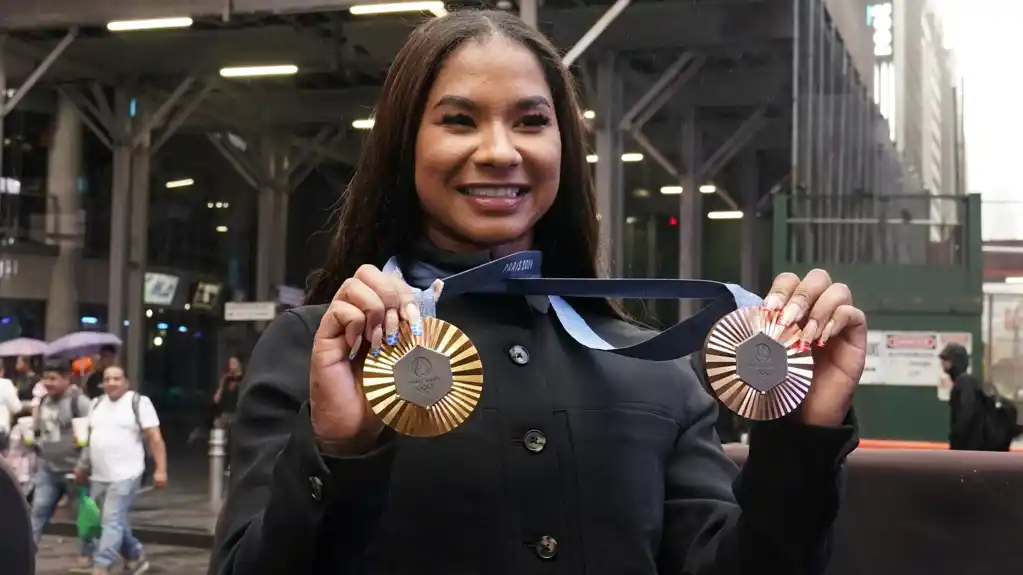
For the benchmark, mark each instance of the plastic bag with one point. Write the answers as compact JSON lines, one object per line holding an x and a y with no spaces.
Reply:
{"x":90,"y":522}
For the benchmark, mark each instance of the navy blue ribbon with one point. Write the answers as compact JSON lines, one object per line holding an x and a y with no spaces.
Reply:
{"x":519,"y":274}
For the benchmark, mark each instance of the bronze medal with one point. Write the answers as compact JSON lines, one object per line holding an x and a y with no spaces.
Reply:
{"x":756,"y":367}
{"x":426,"y":385}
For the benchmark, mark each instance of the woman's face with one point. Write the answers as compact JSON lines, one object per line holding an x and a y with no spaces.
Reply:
{"x":233,"y":364}
{"x":488,"y":152}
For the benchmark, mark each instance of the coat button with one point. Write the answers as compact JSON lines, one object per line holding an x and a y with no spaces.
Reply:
{"x":518,"y":354}
{"x":546,"y":547}
{"x":316,"y":488}
{"x":535,"y":440}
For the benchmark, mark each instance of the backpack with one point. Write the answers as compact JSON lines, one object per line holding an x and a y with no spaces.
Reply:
{"x":998,"y":422}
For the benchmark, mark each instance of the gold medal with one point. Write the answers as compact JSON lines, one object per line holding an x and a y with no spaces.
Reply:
{"x":756,"y":367}
{"x":424,"y":385}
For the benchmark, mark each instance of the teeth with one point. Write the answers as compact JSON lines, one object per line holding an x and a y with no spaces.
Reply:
{"x":493,"y":192}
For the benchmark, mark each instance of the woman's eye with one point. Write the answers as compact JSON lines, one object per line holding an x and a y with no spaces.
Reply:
{"x":457,"y":120}
{"x":535,"y":121}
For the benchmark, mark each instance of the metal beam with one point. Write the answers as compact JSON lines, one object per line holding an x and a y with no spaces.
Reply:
{"x":598,"y":28}
{"x":742,"y":136}
{"x":185,"y":52}
{"x":41,"y":69}
{"x":181,"y":116}
{"x":56,"y":13}
{"x":157,"y":118}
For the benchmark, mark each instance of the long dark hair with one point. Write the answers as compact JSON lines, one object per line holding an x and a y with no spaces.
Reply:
{"x":380,"y":215}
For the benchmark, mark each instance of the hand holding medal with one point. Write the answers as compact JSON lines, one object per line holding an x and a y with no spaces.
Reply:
{"x":803,"y":351}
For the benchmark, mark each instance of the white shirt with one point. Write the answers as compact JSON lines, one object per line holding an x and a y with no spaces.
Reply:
{"x":9,"y":403}
{"x":115,"y":441}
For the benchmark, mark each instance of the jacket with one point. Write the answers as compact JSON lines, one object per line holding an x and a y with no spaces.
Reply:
{"x":575,"y":461}
{"x":966,"y":410}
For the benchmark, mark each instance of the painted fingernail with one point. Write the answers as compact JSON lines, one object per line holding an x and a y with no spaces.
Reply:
{"x":826,"y":334}
{"x":355,"y":348}
{"x":392,"y":338}
{"x":417,"y":328}
{"x":809,"y":332}
{"x":774,"y":301}
{"x":790,"y":315}
{"x":375,"y":351}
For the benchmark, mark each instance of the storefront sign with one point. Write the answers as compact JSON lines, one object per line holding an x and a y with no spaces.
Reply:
{"x":160,"y":288}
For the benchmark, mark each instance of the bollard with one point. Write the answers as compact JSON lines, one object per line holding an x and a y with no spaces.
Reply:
{"x":217,"y":441}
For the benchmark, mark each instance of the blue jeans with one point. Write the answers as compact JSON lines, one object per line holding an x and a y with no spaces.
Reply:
{"x":115,"y":500}
{"x":49,"y":487}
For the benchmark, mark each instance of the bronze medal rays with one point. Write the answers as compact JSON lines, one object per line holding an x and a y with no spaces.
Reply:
{"x":424,"y":385}
{"x":756,"y":367}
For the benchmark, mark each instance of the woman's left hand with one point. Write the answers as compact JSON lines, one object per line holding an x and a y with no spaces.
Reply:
{"x":837,"y":333}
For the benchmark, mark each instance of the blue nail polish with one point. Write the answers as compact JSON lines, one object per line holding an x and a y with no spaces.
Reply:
{"x":375,"y":351}
{"x":417,"y":328}
{"x":392,"y":338}
{"x":353,"y":353}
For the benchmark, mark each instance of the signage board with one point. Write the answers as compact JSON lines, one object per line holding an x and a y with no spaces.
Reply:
{"x":250,"y":311}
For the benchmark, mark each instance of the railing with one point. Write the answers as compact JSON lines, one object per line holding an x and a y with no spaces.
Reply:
{"x":861,"y":229}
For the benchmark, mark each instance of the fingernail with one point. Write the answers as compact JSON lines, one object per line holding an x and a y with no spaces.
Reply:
{"x":809,"y":332}
{"x":412,"y":311}
{"x":392,"y":338}
{"x":417,"y":328}
{"x":826,"y":334}
{"x":355,"y":348}
{"x":774,"y":301}
{"x":375,"y":351}
{"x":790,"y":315}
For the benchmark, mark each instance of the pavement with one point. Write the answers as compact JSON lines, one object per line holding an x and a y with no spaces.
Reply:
{"x":57,"y":554}
{"x":179,"y":515}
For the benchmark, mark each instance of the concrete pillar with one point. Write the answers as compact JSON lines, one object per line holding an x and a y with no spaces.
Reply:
{"x":138,"y":227}
{"x":608,"y":180}
{"x":271,"y":222}
{"x":120,"y":215}
{"x":749,"y":192}
{"x":690,"y":221}
{"x":62,"y":219}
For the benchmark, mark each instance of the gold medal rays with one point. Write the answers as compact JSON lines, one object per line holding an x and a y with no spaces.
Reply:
{"x":758,"y":368}
{"x":424,"y":385}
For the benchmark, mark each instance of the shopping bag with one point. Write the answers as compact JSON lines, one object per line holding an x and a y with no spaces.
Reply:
{"x":90,"y":524}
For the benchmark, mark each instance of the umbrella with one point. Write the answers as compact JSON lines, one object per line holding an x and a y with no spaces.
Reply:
{"x":79,"y":343}
{"x":23,"y":346}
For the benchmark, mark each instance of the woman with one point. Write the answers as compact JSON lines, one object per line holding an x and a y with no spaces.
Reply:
{"x":225,"y":399}
{"x":575,"y":460}
{"x":10,"y":407}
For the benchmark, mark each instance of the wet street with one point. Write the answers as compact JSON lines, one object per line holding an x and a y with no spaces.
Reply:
{"x":57,"y":555}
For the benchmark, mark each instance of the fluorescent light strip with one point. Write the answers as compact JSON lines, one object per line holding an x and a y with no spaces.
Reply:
{"x":180,"y":183}
{"x":734,"y":215}
{"x":436,"y":8}
{"x":364,"y":124}
{"x":150,"y":24}
{"x":249,"y":71}
{"x":671,"y":190}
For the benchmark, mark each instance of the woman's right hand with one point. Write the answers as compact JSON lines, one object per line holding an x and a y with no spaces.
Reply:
{"x":366,"y":309}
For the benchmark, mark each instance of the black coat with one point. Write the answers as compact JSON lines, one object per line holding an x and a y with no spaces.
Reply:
{"x":631,"y":477}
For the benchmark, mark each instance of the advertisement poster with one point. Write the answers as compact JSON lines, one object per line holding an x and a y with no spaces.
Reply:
{"x":909,"y":357}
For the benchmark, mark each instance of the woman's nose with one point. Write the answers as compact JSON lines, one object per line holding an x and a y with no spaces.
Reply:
{"x":497,"y":148}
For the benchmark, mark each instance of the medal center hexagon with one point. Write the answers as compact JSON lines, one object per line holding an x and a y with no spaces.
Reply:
{"x":761,"y":362}
{"x":423,"y":377}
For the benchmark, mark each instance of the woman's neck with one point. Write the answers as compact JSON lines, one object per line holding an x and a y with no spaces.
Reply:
{"x":459,"y":246}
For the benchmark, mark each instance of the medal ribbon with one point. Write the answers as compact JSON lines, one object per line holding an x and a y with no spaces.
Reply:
{"x":519,"y":274}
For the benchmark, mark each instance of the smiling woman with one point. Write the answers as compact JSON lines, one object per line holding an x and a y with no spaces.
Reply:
{"x":574,"y":460}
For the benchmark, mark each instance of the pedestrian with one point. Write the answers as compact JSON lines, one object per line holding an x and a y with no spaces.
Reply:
{"x":576,"y":460}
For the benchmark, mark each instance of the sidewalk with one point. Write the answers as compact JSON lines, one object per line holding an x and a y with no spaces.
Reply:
{"x":179,"y":515}
{"x":57,"y":554}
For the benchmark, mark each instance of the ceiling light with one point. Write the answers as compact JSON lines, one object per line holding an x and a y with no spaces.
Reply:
{"x":1014,"y":280}
{"x":671,"y":190}
{"x":632,"y":157}
{"x":708,"y":189}
{"x":589,"y":114}
{"x":591,"y":159}
{"x":631,"y":220}
{"x":180,"y":183}
{"x":150,"y":24}
{"x":221,"y":229}
{"x":434,"y":7}
{"x":732,"y":215}
{"x":364,"y":124}
{"x":249,"y":71}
